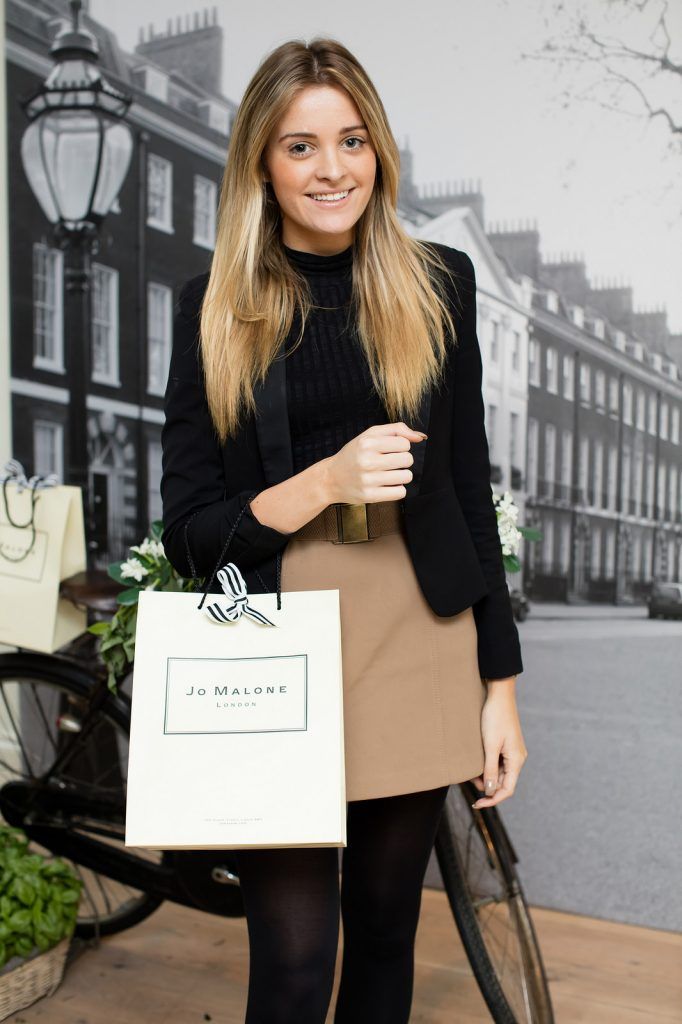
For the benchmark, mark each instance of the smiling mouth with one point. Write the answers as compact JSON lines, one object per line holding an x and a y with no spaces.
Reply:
{"x":330,"y":198}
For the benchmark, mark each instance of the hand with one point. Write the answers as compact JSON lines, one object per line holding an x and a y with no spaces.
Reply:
{"x":374,"y":466}
{"x":502,"y":741}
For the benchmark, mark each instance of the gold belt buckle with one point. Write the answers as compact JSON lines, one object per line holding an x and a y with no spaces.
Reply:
{"x":351,"y":523}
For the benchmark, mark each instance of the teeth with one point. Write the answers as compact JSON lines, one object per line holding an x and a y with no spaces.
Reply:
{"x":329,"y":197}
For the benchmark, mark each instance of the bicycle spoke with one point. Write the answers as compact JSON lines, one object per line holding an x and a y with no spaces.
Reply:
{"x":44,"y":718}
{"x":93,"y":769}
{"x":16,"y":731}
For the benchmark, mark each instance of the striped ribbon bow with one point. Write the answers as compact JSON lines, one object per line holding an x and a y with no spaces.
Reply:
{"x":13,"y":472}
{"x":234,"y":586}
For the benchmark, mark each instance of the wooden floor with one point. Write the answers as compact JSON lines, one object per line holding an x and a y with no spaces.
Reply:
{"x":183,"y":966}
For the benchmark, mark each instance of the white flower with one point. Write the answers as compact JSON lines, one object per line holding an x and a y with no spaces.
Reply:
{"x":153,"y":548}
{"x":507,"y":513}
{"x":133,"y":569}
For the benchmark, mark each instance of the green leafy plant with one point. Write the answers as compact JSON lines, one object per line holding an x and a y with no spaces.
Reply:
{"x":39,"y":897}
{"x":146,"y":568}
{"x":510,"y":532}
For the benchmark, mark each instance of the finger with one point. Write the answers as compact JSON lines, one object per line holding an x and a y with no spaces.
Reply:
{"x":389,"y":444}
{"x":399,"y":428}
{"x":386,"y":494}
{"x":507,"y":785}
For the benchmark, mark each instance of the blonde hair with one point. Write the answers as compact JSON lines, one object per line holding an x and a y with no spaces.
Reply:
{"x":253,"y":290}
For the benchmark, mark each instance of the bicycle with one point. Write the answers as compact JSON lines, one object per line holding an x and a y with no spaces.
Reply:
{"x":63,"y":760}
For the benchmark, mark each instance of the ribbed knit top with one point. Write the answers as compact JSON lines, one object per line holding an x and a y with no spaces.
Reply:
{"x":330,"y":393}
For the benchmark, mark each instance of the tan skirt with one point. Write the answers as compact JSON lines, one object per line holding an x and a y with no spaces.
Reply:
{"x":412,"y":690}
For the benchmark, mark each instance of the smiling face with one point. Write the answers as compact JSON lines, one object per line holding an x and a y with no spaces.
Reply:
{"x":320,"y":148}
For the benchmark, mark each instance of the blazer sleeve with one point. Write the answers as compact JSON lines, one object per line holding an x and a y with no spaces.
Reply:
{"x":193,"y":484}
{"x":499,"y":652}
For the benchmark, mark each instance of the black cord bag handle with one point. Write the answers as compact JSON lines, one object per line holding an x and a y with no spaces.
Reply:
{"x":221,"y":558}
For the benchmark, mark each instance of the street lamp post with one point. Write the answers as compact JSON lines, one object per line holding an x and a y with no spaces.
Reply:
{"x":76,"y":152}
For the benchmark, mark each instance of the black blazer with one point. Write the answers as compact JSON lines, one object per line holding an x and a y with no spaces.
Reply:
{"x":450,"y":520}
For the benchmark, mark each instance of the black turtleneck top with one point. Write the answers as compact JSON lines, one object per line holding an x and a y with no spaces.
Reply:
{"x":330,"y":393}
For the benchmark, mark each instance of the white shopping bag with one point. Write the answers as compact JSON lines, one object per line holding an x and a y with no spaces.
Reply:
{"x":236,"y":736}
{"x":42,"y":541}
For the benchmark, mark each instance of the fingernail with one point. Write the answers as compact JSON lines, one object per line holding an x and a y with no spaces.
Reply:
{"x":422,"y":433}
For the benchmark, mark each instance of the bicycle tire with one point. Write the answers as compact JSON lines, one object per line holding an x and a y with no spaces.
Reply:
{"x":537,"y":1007}
{"x":70,"y":678}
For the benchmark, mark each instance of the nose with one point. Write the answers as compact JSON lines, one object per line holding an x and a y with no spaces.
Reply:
{"x":330,"y":165}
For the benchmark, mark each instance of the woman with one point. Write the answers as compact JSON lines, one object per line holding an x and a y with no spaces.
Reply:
{"x":323,"y":449}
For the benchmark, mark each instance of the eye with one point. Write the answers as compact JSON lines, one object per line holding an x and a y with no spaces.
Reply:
{"x":295,"y":146}
{"x":356,"y":138}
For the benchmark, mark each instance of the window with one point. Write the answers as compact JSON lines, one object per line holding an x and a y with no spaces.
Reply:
{"x":565,"y":547}
{"x":627,"y":402}
{"x":600,"y":390}
{"x":639,"y":481}
{"x":159,"y":193}
{"x":675,"y":425}
{"x":491,"y":430}
{"x":513,"y":437}
{"x":568,"y":369}
{"x":612,"y":482}
{"x":584,"y":468}
{"x":610,"y":554}
{"x":652,"y":415}
{"x":641,"y":409}
{"x":48,"y":448}
{"x":613,"y":395}
{"x":516,"y":351}
{"x":154,"y":510}
{"x":595,"y":553}
{"x":48,"y":311}
{"x":672,"y":491}
{"x":548,"y":542}
{"x":637,"y":556}
{"x":532,"y":459}
{"x":598,"y":473}
{"x":550,"y":452}
{"x":552,"y":371}
{"x":566,"y":459}
{"x":494,"y":341}
{"x":104,"y":325}
{"x":204,"y":211}
{"x":647,"y":557}
{"x":664,"y":421}
{"x":159,"y":332}
{"x":626,"y":479}
{"x":649,"y":497}
{"x":585,"y":383}
{"x":660,"y":497}
{"x":534,"y":362}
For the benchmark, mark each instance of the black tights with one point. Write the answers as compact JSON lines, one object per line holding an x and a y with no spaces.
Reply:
{"x":292,"y":903}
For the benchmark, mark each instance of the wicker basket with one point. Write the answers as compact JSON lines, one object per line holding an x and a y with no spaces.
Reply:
{"x":38,"y":975}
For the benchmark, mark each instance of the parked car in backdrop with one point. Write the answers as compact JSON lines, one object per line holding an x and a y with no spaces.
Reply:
{"x":520,"y":603}
{"x":665,"y":600}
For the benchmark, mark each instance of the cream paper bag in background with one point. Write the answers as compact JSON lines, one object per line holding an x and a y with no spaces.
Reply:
{"x":236,"y":736}
{"x":42,"y":541}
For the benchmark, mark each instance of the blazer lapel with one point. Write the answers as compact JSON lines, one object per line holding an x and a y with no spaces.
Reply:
{"x":274,"y":435}
{"x":418,"y":450}
{"x":272,"y":423}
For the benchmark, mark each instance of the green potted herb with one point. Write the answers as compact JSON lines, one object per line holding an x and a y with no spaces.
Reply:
{"x":39,"y":897}
{"x":146,"y":568}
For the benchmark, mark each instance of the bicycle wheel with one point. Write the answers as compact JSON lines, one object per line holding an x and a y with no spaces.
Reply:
{"x":476,"y":861}
{"x":80,"y":813}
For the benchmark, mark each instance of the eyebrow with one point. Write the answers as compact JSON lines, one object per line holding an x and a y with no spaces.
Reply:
{"x":312,"y":135}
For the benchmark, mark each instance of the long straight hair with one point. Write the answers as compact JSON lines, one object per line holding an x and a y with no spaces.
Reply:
{"x":253,"y":291}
